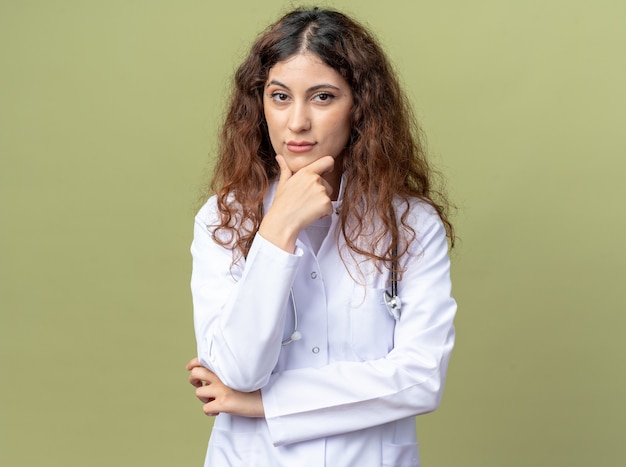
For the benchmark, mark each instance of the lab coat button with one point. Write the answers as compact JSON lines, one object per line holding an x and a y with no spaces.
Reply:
{"x":313,"y":275}
{"x":315,"y":350}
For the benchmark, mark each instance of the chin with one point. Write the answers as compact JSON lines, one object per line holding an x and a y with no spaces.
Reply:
{"x":297,"y":162}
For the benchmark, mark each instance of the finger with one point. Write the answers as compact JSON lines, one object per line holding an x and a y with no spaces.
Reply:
{"x":329,"y":189}
{"x":195,"y":382}
{"x":194,"y":362}
{"x":200,"y":375}
{"x":322,"y":165}
{"x":209,"y":409}
{"x":285,"y":172}
{"x":205,"y":394}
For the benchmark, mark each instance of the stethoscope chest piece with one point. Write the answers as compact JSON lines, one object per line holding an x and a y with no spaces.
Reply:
{"x":391,"y":299}
{"x":393,"y":304}
{"x":295,"y":335}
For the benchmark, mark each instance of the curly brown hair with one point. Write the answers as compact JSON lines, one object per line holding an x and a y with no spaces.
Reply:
{"x":385,"y":162}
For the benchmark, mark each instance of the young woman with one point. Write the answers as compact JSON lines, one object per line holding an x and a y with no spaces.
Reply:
{"x":321,"y":284}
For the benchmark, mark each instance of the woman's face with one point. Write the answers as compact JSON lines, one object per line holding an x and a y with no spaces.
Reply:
{"x":307,"y":107}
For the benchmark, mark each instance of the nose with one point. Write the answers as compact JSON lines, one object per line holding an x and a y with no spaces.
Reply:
{"x":299,"y":118}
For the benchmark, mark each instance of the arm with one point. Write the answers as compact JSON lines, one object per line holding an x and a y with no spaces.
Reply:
{"x":341,"y":397}
{"x":239,"y":312}
{"x":218,"y":398}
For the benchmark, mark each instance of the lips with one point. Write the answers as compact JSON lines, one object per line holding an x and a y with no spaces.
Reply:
{"x":299,"y":146}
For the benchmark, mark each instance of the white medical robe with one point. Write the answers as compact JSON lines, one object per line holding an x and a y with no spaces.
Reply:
{"x":346,"y":393}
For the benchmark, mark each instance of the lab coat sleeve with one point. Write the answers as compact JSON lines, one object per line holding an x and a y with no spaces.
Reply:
{"x":238,"y":309}
{"x":342,"y":397}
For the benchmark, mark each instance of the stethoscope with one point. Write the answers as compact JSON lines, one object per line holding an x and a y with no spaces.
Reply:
{"x":295,"y":335}
{"x":392,"y":301}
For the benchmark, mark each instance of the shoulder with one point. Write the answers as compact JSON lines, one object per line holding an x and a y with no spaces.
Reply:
{"x":429,"y":232}
{"x":222,"y":220}
{"x":420,"y":214}
{"x":208,"y":214}
{"x":207,"y":223}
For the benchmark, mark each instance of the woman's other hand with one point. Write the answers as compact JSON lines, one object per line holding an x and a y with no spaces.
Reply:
{"x":218,"y":397}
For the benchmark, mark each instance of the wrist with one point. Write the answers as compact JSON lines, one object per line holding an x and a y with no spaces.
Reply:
{"x":248,"y":404}
{"x":282,"y":235}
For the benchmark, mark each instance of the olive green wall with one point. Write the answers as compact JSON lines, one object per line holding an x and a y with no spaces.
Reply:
{"x":108,"y":112}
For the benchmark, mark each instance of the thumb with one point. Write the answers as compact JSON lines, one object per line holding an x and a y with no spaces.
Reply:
{"x":285,"y":173}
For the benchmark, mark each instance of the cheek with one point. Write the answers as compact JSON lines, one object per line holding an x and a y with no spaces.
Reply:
{"x":341,"y":129}
{"x":272,"y":126}
{"x":276,"y":120}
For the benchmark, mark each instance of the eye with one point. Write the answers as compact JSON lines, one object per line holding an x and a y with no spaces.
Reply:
{"x":323,"y":97}
{"x":279,"y":97}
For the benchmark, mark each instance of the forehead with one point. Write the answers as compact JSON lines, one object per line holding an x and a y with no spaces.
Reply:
{"x":307,"y":67}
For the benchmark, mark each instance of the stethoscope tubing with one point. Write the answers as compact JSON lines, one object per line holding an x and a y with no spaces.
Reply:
{"x":392,"y":301}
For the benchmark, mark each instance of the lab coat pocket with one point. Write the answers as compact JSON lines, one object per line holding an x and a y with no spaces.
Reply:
{"x":233,"y":448}
{"x":371,"y":325}
{"x":400,"y":455}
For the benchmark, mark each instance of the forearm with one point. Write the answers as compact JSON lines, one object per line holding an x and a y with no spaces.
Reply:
{"x":239,"y":320}
{"x":343,"y":397}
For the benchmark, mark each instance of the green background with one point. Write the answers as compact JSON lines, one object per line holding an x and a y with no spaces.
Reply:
{"x":108,"y":115}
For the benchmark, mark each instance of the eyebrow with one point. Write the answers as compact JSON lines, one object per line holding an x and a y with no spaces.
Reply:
{"x":311,"y":89}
